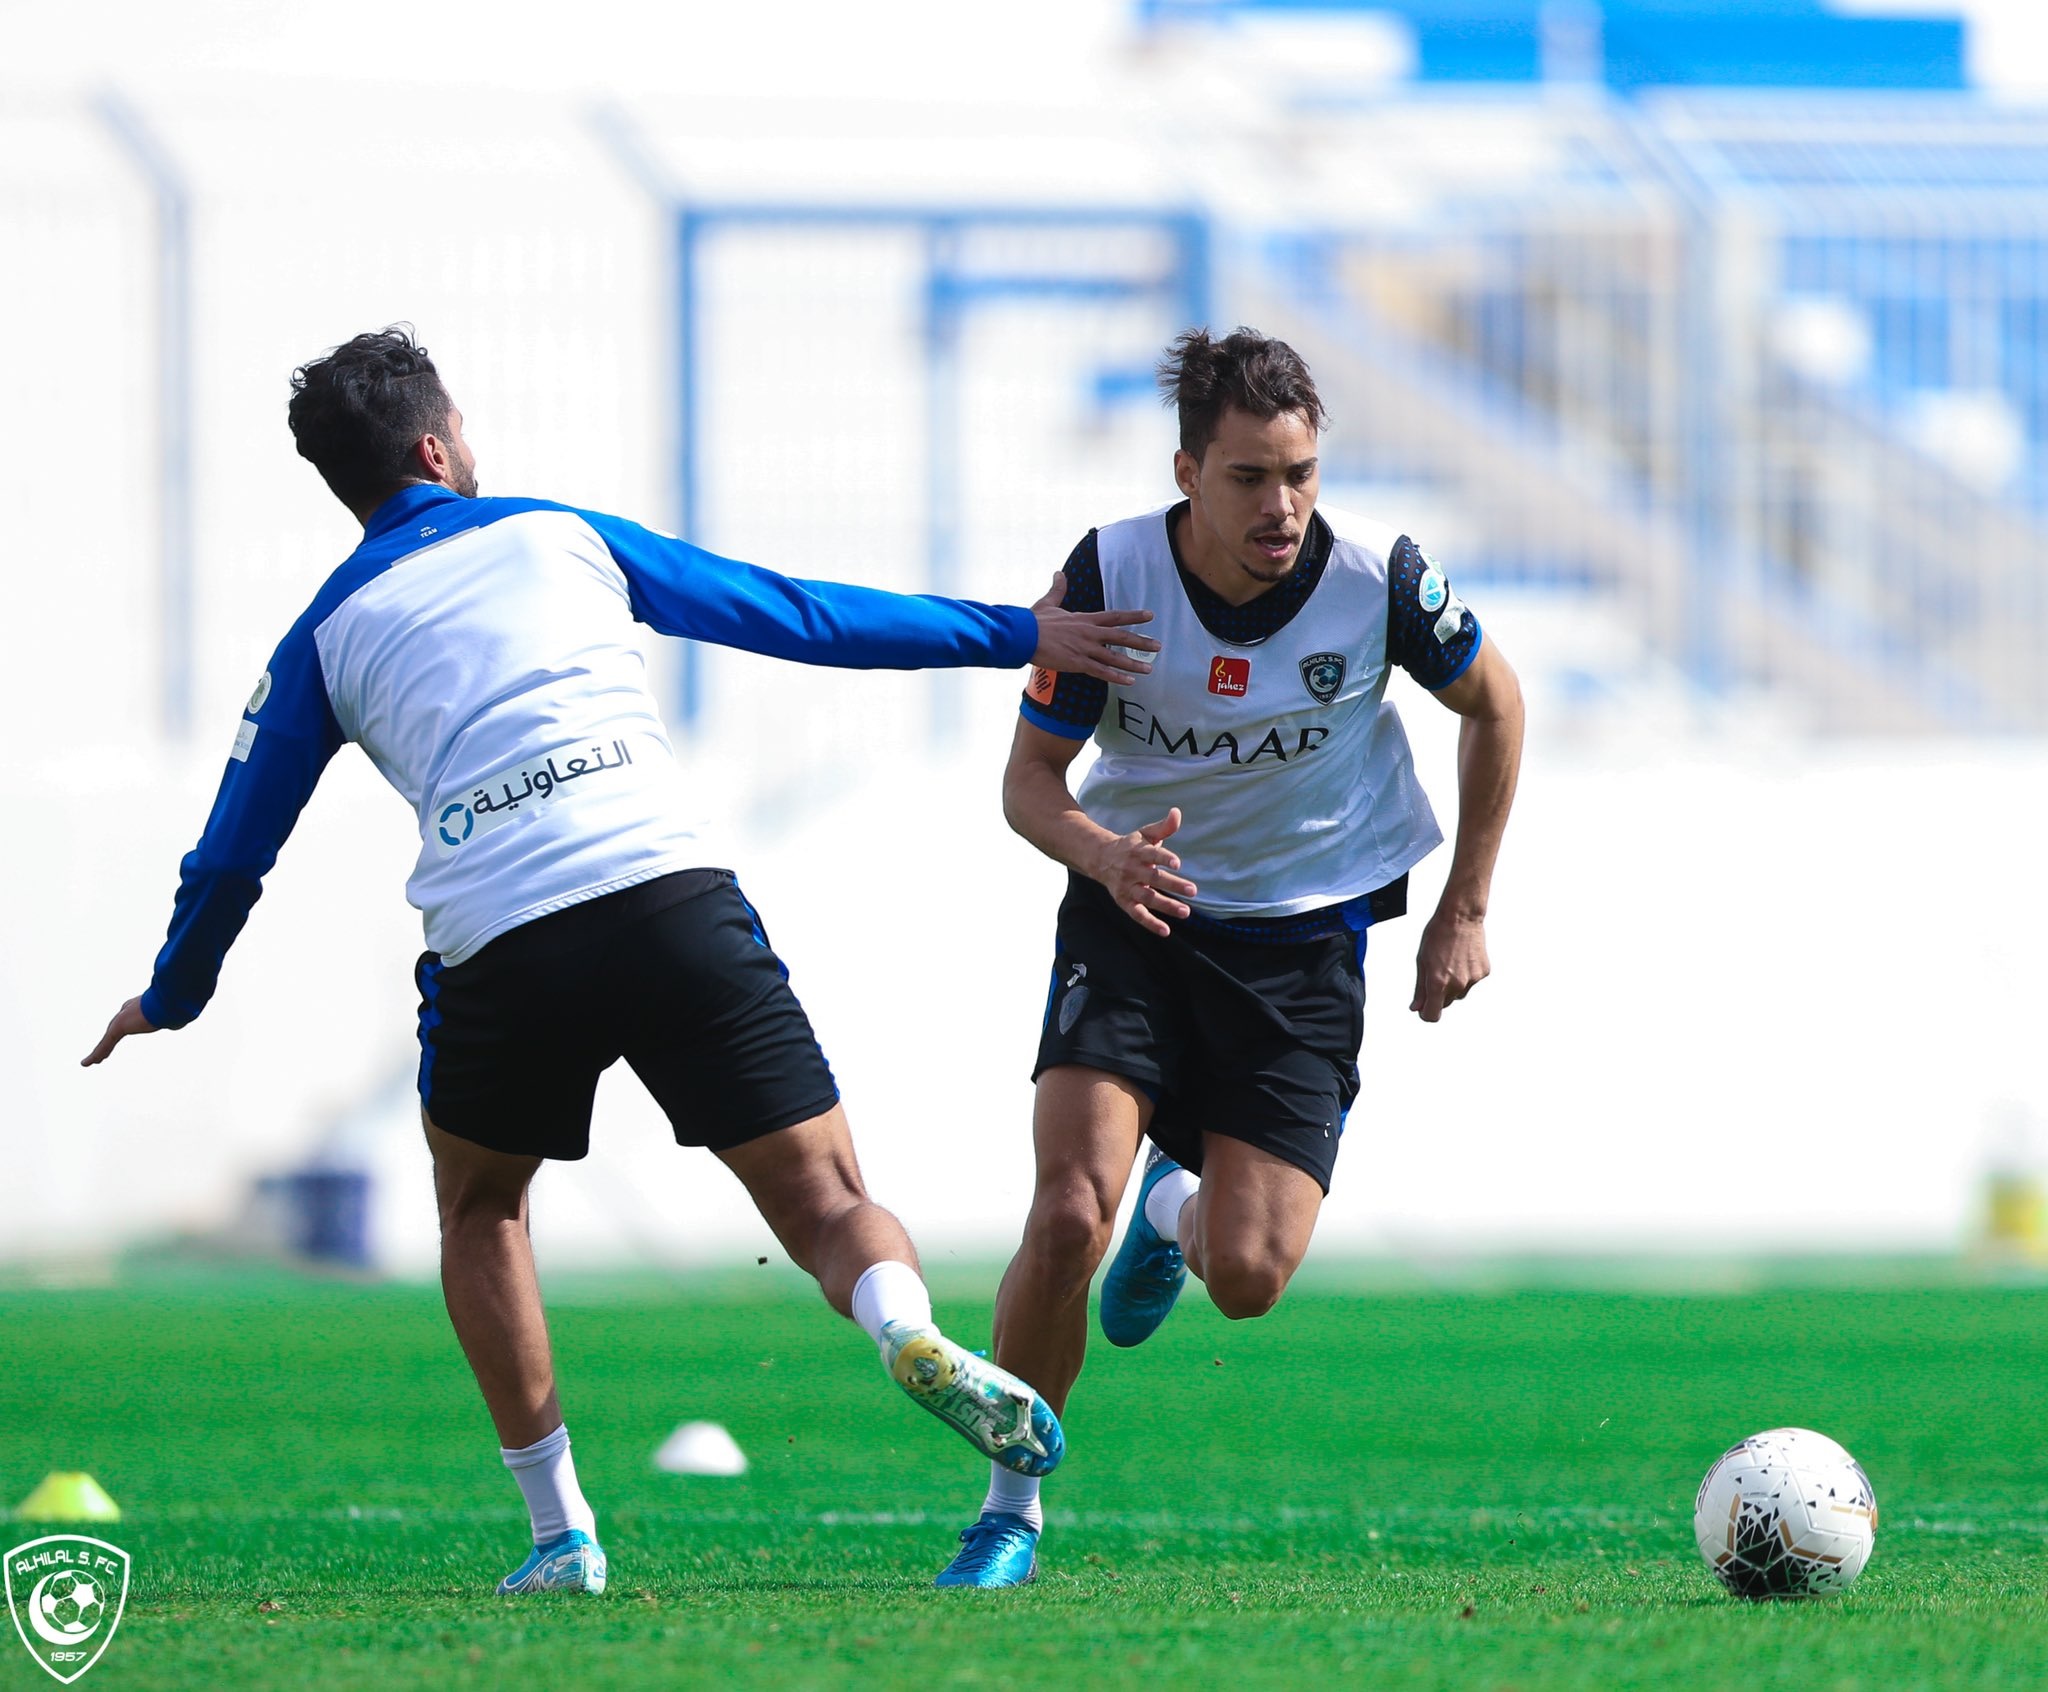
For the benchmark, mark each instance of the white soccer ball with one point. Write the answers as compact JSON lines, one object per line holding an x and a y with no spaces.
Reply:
{"x":1785,"y":1514}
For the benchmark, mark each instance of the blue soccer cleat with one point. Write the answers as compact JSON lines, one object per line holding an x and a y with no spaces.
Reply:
{"x":999,"y":1550}
{"x":1001,"y":1416}
{"x":570,"y":1562}
{"x":1147,"y":1273}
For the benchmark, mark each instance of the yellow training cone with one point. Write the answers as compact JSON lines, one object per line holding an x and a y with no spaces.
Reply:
{"x":68,"y":1498}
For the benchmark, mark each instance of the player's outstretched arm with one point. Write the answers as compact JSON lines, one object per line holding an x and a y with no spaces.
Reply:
{"x":1452,"y":959}
{"x":1140,"y":871}
{"x":683,"y":590}
{"x":288,"y":735}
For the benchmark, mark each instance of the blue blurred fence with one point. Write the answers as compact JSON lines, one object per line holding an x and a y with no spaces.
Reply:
{"x":1768,"y":369}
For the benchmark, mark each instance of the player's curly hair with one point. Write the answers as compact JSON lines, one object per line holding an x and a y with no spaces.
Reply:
{"x":1202,"y":377}
{"x":359,"y":410}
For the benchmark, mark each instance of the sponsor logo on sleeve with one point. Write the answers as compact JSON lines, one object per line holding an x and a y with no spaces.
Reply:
{"x":1042,"y":684}
{"x":1433,"y":589}
{"x":1231,"y":677}
{"x":245,"y":737}
{"x":1437,"y":597}
{"x":1322,"y":673}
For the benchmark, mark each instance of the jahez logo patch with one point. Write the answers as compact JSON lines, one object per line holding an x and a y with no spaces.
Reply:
{"x":1231,"y":677}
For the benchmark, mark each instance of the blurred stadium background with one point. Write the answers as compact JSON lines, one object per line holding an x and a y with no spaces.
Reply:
{"x":1707,"y":344}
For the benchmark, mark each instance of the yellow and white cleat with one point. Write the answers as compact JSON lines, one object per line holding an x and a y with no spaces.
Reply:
{"x":999,"y":1415}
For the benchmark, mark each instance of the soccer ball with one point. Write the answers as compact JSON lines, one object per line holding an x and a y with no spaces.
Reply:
{"x":69,"y":1601}
{"x":1785,"y":1514}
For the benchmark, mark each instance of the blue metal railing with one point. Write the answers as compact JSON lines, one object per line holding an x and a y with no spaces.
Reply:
{"x":172,"y":205}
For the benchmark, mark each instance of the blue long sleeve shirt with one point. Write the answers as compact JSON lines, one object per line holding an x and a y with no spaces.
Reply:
{"x":481,"y":652}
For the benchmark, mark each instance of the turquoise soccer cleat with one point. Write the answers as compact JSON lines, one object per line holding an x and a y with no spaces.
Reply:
{"x":999,"y":1415}
{"x":999,"y":1550}
{"x":570,"y":1562}
{"x":1147,"y":1273}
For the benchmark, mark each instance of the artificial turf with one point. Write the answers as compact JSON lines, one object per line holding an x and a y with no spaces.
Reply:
{"x":1405,"y":1489}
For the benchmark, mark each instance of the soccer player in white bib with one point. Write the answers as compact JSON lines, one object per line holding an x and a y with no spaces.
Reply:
{"x":483,"y":653}
{"x":1252,"y":814}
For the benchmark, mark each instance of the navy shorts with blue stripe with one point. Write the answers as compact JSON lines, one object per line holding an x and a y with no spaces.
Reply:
{"x":675,"y":975}
{"x":1253,"y":1039}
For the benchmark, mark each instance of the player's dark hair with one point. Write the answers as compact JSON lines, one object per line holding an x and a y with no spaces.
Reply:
{"x":358,"y":412}
{"x":1203,"y":377}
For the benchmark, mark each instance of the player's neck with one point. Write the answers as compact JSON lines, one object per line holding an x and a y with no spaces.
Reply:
{"x":1210,"y":564}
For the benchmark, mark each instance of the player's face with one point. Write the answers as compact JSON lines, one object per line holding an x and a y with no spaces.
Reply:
{"x":461,"y":461}
{"x":1250,"y":499}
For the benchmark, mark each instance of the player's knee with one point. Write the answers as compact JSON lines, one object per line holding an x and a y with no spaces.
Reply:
{"x":809,"y":1203}
{"x":478,"y":1205}
{"x":473,"y":1184}
{"x":1072,"y":1231}
{"x":1243,"y":1286}
{"x":476,"y":1196}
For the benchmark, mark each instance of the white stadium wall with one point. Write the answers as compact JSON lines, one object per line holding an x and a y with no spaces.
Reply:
{"x":1753,"y":991}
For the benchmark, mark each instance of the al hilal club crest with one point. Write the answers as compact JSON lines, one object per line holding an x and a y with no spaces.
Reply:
{"x":66,"y":1593}
{"x":1322,"y":673}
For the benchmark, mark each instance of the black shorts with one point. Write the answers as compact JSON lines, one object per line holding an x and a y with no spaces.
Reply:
{"x":674,"y":975}
{"x":1252,"y":1039}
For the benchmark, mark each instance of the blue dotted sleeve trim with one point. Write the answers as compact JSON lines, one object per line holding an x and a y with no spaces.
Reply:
{"x":1038,"y":717}
{"x":1070,"y":705}
{"x":1414,"y":581}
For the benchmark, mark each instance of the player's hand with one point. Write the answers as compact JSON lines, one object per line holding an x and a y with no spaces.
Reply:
{"x":127,"y":1020}
{"x":1450,"y":963}
{"x":1086,"y":643}
{"x":1140,"y":875}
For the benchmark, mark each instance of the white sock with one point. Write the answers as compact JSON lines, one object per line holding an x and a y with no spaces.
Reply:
{"x":890,"y":1292}
{"x":546,"y":1473}
{"x":1163,"y":1202}
{"x":1014,"y":1495}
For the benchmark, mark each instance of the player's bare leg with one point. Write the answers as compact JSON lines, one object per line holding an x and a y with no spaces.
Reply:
{"x":488,"y":1280}
{"x":1086,"y":1125}
{"x":493,"y":1296}
{"x":806,"y":1182}
{"x":1245,"y":1232}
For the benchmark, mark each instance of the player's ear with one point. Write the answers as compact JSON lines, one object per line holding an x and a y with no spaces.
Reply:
{"x":1187,"y":473}
{"x":432,"y":457}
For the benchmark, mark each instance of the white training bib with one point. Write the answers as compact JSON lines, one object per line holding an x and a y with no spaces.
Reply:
{"x":1291,"y":771}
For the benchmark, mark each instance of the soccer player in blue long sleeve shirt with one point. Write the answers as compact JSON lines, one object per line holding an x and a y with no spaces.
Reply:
{"x":482,"y":653}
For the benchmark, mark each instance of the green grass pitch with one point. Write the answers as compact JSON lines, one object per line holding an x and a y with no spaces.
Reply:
{"x":1403,"y":1489}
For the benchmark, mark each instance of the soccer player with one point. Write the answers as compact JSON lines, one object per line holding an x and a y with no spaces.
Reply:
{"x":1253,"y":813}
{"x":482,"y":652}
